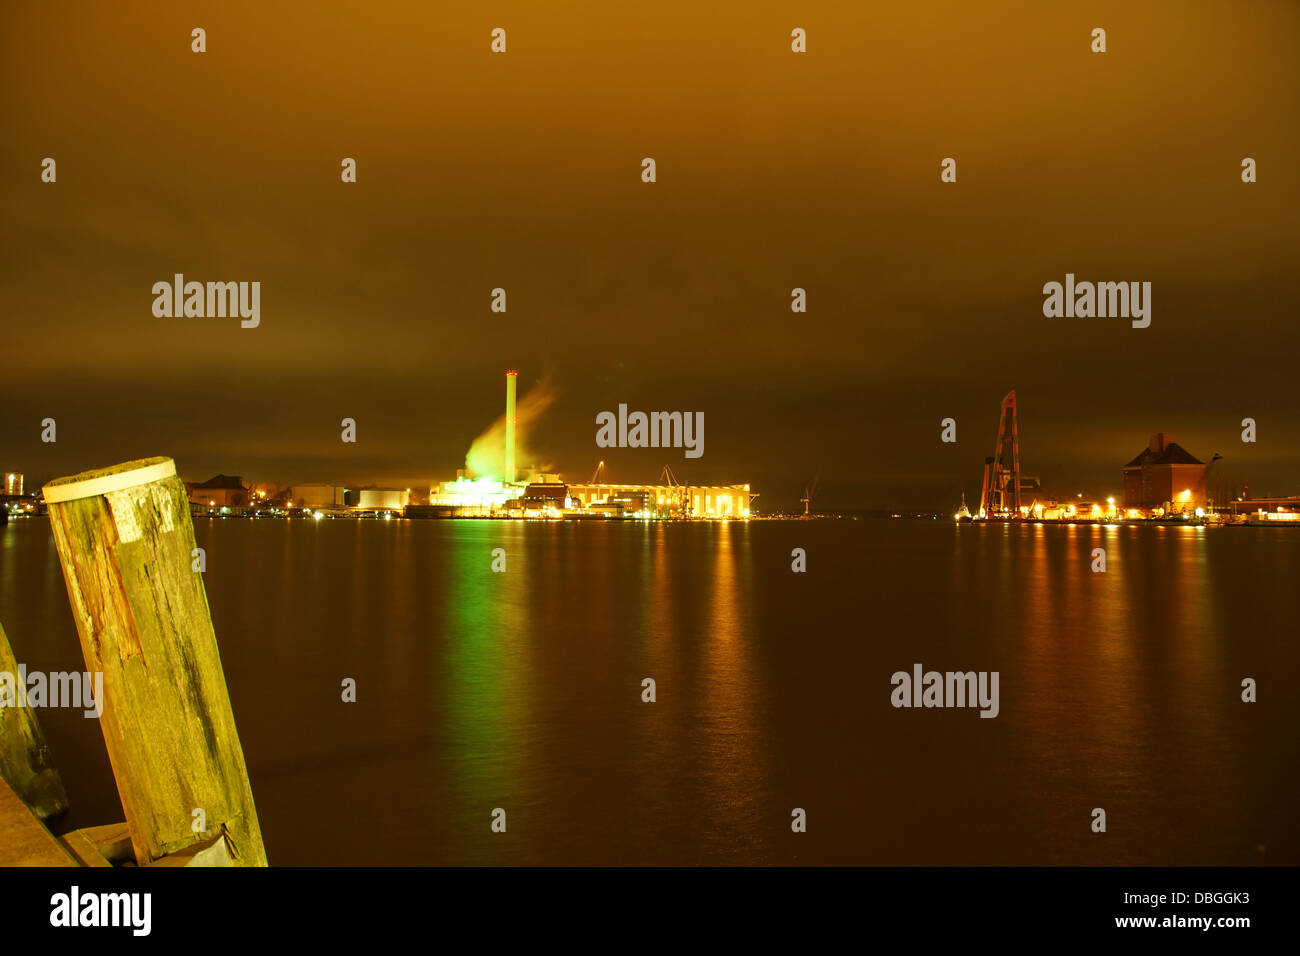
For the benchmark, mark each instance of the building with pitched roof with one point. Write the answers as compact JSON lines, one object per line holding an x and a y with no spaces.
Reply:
{"x":1165,"y":475}
{"x":219,"y":491}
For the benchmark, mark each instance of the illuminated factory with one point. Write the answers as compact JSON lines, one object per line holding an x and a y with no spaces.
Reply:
{"x":545,"y":495}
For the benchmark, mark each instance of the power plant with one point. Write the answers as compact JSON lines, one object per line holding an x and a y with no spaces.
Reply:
{"x":545,"y":495}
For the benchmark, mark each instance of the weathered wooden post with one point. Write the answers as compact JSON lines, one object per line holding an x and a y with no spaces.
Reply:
{"x":24,"y":756}
{"x":126,"y":540}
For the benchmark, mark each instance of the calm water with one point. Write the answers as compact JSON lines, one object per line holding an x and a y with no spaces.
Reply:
{"x":522,"y":690}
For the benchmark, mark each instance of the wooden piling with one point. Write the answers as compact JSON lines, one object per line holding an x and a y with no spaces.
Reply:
{"x":24,"y":756}
{"x":125,"y":539}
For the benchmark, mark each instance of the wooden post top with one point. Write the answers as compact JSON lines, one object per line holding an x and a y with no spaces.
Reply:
{"x":88,"y":484}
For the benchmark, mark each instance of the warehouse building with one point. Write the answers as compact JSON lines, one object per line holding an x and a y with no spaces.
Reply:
{"x":695,"y":501}
{"x":1164,"y":475}
{"x":382,"y":499}
{"x":317,"y":496}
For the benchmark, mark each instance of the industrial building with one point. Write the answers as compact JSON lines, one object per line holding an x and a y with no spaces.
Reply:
{"x":13,"y":500}
{"x":382,"y":499}
{"x":545,"y":495}
{"x":219,"y":491}
{"x":317,"y":496}
{"x":338,"y":498}
{"x":1268,"y":510}
{"x":671,"y":500}
{"x":542,"y":498}
{"x":485,"y":497}
{"x":1164,"y":476}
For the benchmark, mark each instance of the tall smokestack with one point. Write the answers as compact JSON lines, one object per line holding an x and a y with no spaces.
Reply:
{"x":510,"y":425}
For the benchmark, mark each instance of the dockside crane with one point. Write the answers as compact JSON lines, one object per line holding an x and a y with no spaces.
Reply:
{"x":680,"y":493}
{"x":1000,"y":489}
{"x":808,"y":493}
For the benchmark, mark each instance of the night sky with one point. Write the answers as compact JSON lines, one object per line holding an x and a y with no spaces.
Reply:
{"x":775,"y":170}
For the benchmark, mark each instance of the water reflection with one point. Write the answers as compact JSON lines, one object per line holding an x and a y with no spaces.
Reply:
{"x":522,"y":690}
{"x":733,"y":765}
{"x":488,"y":681}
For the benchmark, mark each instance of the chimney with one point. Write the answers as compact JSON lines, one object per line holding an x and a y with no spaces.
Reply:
{"x":510,"y":425}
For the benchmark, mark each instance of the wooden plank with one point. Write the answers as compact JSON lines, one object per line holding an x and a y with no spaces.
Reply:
{"x":106,"y":845}
{"x":25,"y":762}
{"x":83,"y":850}
{"x":25,"y":840}
{"x":215,"y":854}
{"x":111,"y":838}
{"x":125,"y":539}
{"x":111,"y":846}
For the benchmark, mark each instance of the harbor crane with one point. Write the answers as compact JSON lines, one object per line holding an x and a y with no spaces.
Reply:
{"x":680,"y":494}
{"x":807,"y":495}
{"x":1000,"y":490}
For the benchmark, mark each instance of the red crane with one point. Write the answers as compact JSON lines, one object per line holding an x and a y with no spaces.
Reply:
{"x":1001,"y":490}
